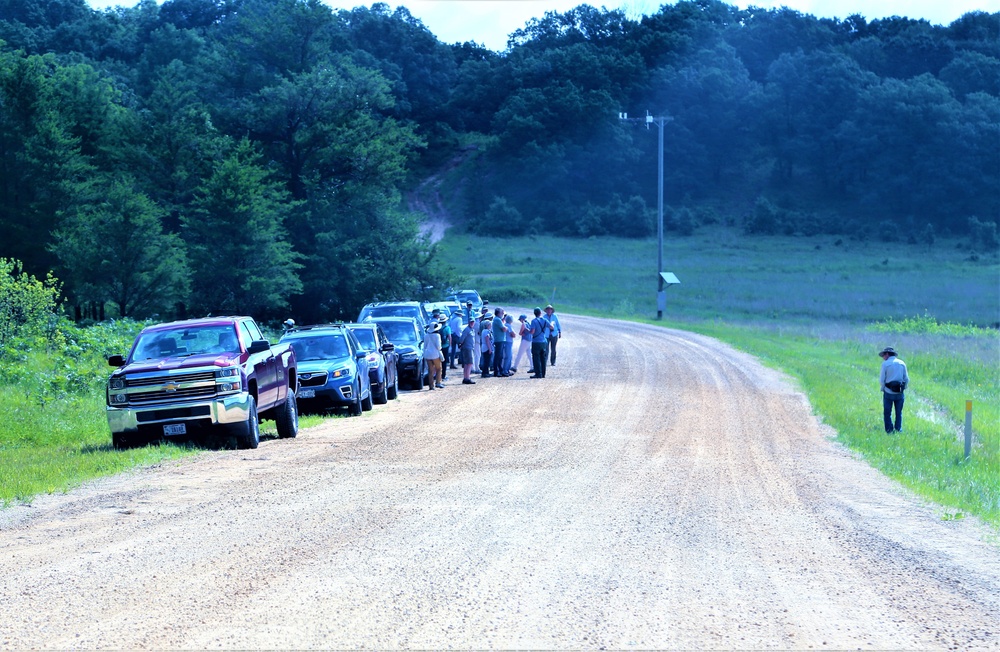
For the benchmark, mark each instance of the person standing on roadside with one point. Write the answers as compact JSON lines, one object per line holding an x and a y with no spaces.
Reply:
{"x":445,"y":334}
{"x":524,"y":348}
{"x":554,"y":334}
{"x":455,"y":324}
{"x":467,"y":349}
{"x":486,"y":344}
{"x":432,"y":354}
{"x":508,"y":352}
{"x":499,"y":342}
{"x":540,"y":329}
{"x":893,"y":379}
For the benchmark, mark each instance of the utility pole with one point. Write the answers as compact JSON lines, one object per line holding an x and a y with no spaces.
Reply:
{"x":659,"y":121}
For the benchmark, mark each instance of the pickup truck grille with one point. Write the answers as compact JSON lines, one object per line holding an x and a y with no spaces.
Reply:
{"x":146,"y":390}
{"x":197,"y":377}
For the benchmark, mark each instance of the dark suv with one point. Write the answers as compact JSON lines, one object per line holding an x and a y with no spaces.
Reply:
{"x":332,"y":369}
{"x":408,"y":339}
{"x":413,"y":309}
{"x":382,"y":366}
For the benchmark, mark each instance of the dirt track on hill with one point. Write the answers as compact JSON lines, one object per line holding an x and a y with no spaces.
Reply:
{"x":656,"y":490}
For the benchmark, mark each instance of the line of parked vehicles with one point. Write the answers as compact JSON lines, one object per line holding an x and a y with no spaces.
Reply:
{"x":193,"y":377}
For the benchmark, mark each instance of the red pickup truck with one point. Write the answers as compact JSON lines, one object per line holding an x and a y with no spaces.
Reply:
{"x":184,"y":377}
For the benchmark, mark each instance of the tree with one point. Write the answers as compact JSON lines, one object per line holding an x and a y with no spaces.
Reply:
{"x":113,"y":248}
{"x":26,"y":303}
{"x":240,"y":257}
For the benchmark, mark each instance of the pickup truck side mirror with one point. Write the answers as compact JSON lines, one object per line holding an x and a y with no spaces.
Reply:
{"x":259,"y":346}
{"x":116,"y":361}
{"x":388,"y":347}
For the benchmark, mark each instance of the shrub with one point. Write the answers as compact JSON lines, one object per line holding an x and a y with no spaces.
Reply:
{"x":27,"y":305}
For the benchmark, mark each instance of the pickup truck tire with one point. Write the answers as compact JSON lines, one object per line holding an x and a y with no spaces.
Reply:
{"x":248,"y":433}
{"x":120,"y":442}
{"x":287,"y":417}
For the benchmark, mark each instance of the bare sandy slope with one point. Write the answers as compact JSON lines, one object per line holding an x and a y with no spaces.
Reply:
{"x":656,"y":490}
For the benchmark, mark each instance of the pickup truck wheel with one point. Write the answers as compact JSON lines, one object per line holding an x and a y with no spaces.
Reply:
{"x":366,"y":403}
{"x":287,"y":421}
{"x":392,"y":391}
{"x":120,"y":441}
{"x":354,"y":409}
{"x":248,"y":433}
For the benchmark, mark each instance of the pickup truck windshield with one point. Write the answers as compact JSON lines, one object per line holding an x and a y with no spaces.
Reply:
{"x":186,"y":342}
{"x":320,"y":347}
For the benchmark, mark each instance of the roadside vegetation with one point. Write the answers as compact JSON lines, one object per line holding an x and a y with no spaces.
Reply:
{"x":816,"y":309}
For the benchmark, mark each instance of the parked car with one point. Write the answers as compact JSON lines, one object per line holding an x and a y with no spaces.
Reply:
{"x":332,"y":368}
{"x":447,"y":307}
{"x":412,"y":309}
{"x":408,"y":338}
{"x":383,"y":371}
{"x":187,"y":376}
{"x":462,"y":297}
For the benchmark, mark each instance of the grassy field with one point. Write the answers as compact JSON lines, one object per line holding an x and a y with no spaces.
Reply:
{"x":818,"y":309}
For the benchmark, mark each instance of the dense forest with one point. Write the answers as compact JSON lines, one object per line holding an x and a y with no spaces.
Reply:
{"x":253,"y":156}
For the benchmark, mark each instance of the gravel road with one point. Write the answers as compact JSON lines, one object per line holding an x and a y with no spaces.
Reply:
{"x":656,"y":490}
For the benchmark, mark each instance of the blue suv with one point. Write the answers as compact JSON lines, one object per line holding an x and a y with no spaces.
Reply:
{"x":332,"y":368}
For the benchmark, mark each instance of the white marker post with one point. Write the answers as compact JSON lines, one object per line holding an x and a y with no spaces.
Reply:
{"x":968,"y":429}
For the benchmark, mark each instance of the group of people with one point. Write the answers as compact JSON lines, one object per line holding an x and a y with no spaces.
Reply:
{"x":483,"y":343}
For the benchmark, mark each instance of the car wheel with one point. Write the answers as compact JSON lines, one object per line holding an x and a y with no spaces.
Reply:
{"x":383,"y":396}
{"x":288,"y":417}
{"x":366,"y":403}
{"x":392,"y":391}
{"x":248,"y":433}
{"x":354,"y":409}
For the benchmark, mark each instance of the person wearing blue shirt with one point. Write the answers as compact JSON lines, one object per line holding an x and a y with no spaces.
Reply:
{"x":500,"y":343}
{"x":554,"y":334}
{"x":893,"y":379}
{"x":540,"y":328}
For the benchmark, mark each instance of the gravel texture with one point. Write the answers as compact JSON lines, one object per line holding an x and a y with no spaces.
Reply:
{"x":656,"y":490}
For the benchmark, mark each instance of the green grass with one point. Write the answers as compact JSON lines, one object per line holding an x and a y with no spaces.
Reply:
{"x":815,"y":309}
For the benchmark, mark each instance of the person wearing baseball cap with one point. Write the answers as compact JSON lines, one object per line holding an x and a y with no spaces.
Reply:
{"x":893,"y":379}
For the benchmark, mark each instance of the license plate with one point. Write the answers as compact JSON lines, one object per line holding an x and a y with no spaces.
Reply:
{"x":307,"y":393}
{"x":175,"y":429}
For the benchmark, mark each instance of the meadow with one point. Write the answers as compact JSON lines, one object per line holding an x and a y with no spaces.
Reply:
{"x":818,"y":309}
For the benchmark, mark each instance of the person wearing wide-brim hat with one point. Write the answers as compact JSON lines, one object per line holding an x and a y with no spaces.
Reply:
{"x":524,"y":348}
{"x":467,"y":351}
{"x":432,"y":353}
{"x":893,"y":379}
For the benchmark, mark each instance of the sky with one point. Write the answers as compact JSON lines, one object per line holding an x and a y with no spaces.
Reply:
{"x":489,"y":22}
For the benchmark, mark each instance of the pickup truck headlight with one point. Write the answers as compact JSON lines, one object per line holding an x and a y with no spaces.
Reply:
{"x":117,"y":383}
{"x":228,"y":380}
{"x":117,"y":399}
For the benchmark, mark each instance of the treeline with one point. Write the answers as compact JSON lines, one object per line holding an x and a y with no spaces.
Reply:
{"x":252,"y":155}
